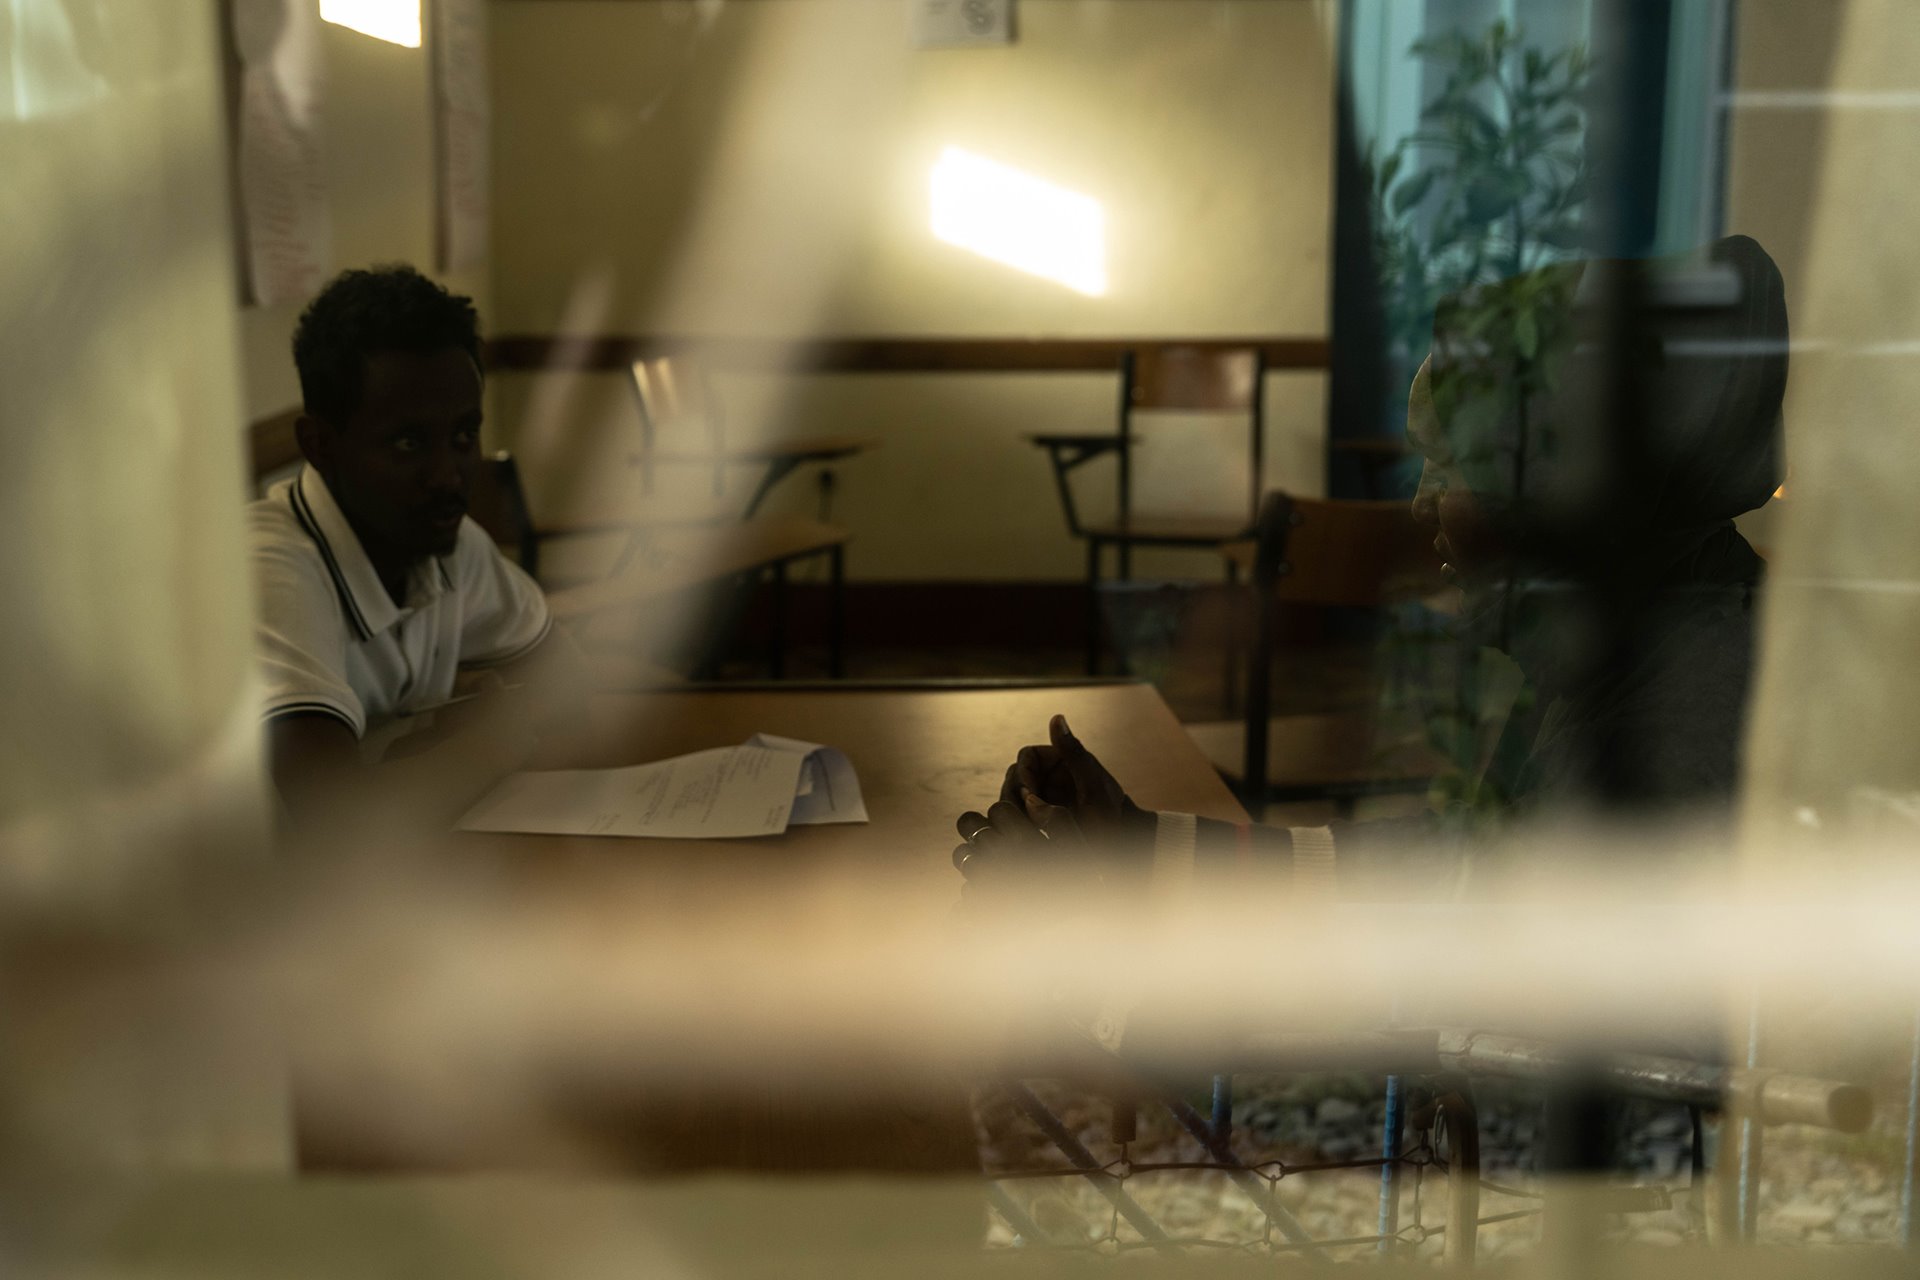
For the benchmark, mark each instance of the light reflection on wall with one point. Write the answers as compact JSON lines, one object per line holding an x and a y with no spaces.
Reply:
{"x":42,"y":72}
{"x":395,"y":21}
{"x":1019,"y":221}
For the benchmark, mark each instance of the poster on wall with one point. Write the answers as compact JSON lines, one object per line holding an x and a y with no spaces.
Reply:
{"x":461,"y":123}
{"x":961,"y":24}
{"x":286,"y":236}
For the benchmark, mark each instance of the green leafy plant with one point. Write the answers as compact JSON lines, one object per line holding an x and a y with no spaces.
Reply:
{"x":1472,"y":213}
{"x":1491,"y":185}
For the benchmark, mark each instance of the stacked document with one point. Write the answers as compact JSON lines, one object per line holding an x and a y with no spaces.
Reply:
{"x":758,"y":788}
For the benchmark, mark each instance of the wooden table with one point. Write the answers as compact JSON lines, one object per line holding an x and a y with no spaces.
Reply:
{"x":672,"y":560}
{"x":781,"y":458}
{"x":923,"y":755}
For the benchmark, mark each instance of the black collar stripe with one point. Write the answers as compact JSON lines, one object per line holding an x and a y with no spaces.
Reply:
{"x":312,"y":526}
{"x":310,"y":708}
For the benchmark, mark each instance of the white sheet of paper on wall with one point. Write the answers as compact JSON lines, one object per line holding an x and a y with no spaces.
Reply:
{"x":941,"y":24}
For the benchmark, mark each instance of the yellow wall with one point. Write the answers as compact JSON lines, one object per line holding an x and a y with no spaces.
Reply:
{"x":380,"y":190}
{"x":129,"y":775}
{"x":762,"y":169}
{"x":1823,"y":182}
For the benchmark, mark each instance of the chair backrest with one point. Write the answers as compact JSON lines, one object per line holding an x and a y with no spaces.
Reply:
{"x":272,"y":449}
{"x":672,"y":392}
{"x":498,"y":504}
{"x":1324,"y":551}
{"x":1342,"y":552}
{"x":1193,"y":379}
{"x":1206,"y":379}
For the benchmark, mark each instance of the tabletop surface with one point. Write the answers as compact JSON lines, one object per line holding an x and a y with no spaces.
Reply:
{"x":673,"y":559}
{"x":590,"y":917}
{"x":798,"y":448}
{"x":923,"y":757}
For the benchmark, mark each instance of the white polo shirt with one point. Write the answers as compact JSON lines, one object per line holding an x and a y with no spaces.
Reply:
{"x":331,"y":640}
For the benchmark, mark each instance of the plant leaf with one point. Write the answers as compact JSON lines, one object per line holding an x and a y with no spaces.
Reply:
{"x":1526,"y":334}
{"x":1413,"y":191}
{"x":1492,"y":194}
{"x":1481,"y":120}
{"x":1391,"y":169}
{"x":1565,"y":235}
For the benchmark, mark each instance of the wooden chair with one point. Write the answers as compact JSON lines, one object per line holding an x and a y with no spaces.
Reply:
{"x":272,"y":449}
{"x":1181,"y":379}
{"x":669,"y":559}
{"x":499,"y":504}
{"x":1334,"y":553}
{"x":675,"y":398}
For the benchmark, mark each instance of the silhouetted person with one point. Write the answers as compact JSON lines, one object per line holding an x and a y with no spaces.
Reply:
{"x":375,"y":588}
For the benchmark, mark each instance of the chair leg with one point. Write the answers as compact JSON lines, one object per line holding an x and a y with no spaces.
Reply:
{"x":1093,"y":606}
{"x":1123,"y":572}
{"x":733,"y":596}
{"x":777,"y":630}
{"x":1236,"y":629}
{"x":1259,"y":701}
{"x":837,"y":613}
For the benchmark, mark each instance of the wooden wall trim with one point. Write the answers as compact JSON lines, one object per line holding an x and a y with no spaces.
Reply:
{"x":1045,"y":620}
{"x":271,"y":445}
{"x":608,"y":352}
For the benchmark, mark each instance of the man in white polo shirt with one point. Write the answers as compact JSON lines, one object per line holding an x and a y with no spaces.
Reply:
{"x":375,"y":589}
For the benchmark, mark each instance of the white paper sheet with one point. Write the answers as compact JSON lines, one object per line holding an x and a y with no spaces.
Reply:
{"x":829,"y":790}
{"x":461,"y":126}
{"x":724,"y":793}
{"x":286,"y":227}
{"x":754,"y":789}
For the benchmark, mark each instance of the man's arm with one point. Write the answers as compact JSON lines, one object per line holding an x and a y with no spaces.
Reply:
{"x":555,"y":666}
{"x":1058,"y":795}
{"x":323,"y":785}
{"x":436,"y":774}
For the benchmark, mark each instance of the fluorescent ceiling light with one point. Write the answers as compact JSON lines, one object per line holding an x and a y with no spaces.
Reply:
{"x":1020,"y":221}
{"x":395,"y":21}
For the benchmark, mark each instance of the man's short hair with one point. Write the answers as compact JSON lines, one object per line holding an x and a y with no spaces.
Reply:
{"x":362,"y":312}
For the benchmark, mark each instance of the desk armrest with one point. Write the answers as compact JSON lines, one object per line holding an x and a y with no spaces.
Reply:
{"x":1091,"y":440}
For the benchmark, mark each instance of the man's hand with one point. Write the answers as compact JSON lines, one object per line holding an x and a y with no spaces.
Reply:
{"x":1063,"y":789}
{"x":1059,"y":811}
{"x":1009,"y":857}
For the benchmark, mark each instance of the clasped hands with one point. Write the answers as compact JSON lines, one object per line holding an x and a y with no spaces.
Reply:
{"x":1059,"y":811}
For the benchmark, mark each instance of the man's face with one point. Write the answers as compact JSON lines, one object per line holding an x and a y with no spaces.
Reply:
{"x":402,"y":465}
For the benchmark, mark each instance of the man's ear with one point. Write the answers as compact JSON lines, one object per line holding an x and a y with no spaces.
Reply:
{"x":316,"y":442}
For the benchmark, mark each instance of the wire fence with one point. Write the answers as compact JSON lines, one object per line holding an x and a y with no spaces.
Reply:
{"x":1417,"y":1206}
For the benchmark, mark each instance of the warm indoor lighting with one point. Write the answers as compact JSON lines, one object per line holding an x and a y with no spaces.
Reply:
{"x":395,"y":21}
{"x":1020,"y":221}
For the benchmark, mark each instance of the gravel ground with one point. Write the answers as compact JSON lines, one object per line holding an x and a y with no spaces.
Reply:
{"x":1816,"y":1188}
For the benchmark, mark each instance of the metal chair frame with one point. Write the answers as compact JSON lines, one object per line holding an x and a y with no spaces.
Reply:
{"x":1153,"y":382}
